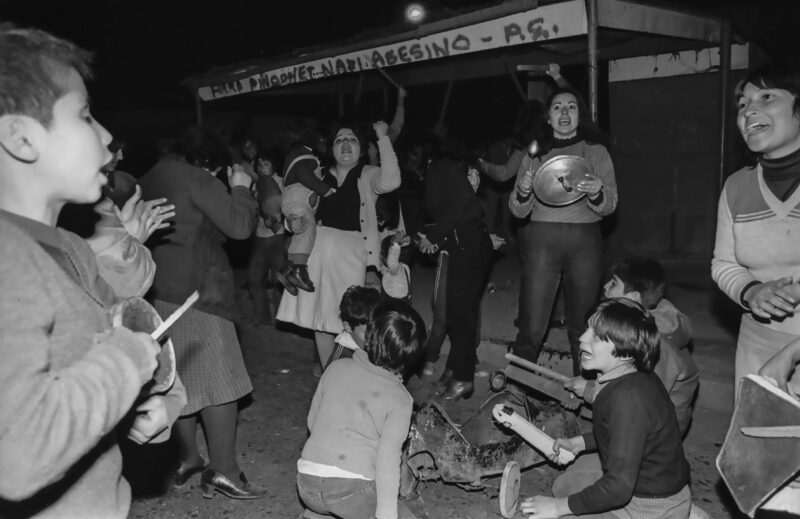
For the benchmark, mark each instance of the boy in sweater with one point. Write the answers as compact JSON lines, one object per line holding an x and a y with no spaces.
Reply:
{"x":642,"y":280}
{"x":359,"y":419}
{"x":67,"y":378}
{"x":635,"y":431}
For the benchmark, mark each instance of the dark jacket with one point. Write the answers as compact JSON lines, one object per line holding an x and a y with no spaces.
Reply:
{"x":189,"y":255}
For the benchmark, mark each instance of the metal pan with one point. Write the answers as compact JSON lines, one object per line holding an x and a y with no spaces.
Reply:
{"x":556,"y":180}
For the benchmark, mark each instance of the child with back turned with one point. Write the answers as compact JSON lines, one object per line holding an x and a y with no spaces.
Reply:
{"x":67,"y":378}
{"x":359,"y":419}
{"x":635,"y":430}
{"x":354,"y":309}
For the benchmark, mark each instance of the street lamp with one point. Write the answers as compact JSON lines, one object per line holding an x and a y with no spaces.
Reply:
{"x":415,"y":13}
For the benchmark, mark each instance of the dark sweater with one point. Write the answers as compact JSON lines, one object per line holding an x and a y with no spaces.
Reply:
{"x":189,"y":255}
{"x":300,"y":166}
{"x":782,"y":175}
{"x":636,"y":435}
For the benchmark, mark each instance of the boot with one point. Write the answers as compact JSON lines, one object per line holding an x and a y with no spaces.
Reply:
{"x":458,"y":389}
{"x":299,"y":278}
{"x":283,"y":277}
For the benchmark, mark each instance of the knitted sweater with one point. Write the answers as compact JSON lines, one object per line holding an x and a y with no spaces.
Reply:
{"x":582,"y":211}
{"x":636,"y":435}
{"x":757,"y":239}
{"x":67,"y":379}
{"x":359,"y":418}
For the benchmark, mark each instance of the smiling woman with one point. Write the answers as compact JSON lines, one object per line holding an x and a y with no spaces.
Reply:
{"x":756,"y":258}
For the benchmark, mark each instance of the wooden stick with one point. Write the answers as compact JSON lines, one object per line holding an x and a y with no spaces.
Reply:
{"x":163,"y":327}
{"x":387,"y":76}
{"x":537,"y":368}
{"x":775,"y":431}
{"x":445,"y":103}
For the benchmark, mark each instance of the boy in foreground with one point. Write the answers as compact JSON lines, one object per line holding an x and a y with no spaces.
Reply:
{"x":67,"y":378}
{"x":635,"y":430}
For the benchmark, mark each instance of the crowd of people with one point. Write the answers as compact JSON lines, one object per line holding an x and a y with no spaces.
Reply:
{"x":336,"y":223}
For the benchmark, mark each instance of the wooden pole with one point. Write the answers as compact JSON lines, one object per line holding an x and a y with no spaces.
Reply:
{"x":724,"y":99}
{"x":515,"y":80}
{"x":359,"y":89}
{"x":591,"y":18}
{"x":198,"y":107}
{"x":446,"y":102}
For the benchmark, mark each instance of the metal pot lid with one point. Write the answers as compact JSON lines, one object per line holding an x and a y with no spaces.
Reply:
{"x":556,"y":180}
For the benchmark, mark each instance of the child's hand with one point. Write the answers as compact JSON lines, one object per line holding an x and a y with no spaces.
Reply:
{"x":575,"y":445}
{"x":401,"y":239}
{"x":381,"y":128}
{"x":543,"y":507}
{"x":151,"y":419}
{"x":577,"y":385}
{"x":554,"y":70}
{"x":497,"y":241}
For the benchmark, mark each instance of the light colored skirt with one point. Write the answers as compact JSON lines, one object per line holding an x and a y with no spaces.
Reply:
{"x":756,"y":345}
{"x":338,"y":261}
{"x":208,"y":358}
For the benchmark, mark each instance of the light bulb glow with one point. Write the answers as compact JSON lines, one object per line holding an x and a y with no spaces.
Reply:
{"x":415,"y":13}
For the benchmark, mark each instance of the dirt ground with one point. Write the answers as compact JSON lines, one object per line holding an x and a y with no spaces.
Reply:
{"x":272,"y":430}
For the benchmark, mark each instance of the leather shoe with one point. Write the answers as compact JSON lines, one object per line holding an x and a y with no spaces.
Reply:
{"x":458,"y":389}
{"x":212,"y":481}
{"x":283,"y":277}
{"x":298,"y":276}
{"x":185,"y":471}
{"x":446,"y":378}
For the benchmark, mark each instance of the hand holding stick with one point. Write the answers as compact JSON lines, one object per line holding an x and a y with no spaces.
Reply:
{"x":163,"y":327}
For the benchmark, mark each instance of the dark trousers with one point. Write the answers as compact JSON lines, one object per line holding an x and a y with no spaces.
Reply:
{"x":470,"y":250}
{"x":552,"y":250}
{"x":267,"y":254}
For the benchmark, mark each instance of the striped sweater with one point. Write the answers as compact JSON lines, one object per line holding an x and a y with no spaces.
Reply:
{"x":758,"y":238}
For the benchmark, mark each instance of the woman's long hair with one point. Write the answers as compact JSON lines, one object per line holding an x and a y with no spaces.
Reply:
{"x":587,"y":129}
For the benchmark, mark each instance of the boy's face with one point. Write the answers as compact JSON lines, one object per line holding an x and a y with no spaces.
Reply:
{"x":616,"y":288}
{"x":597,"y":354}
{"x":358,"y":333}
{"x":72,"y":152}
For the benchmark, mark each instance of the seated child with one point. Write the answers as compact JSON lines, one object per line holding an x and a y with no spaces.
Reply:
{"x":303,"y":186}
{"x":359,"y":419}
{"x":69,"y":381}
{"x":643,"y":280}
{"x":354,"y":310}
{"x":644,"y":470}
{"x":395,"y":274}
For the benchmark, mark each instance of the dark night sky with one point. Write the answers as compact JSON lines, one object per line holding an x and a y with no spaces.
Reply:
{"x":145,"y":47}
